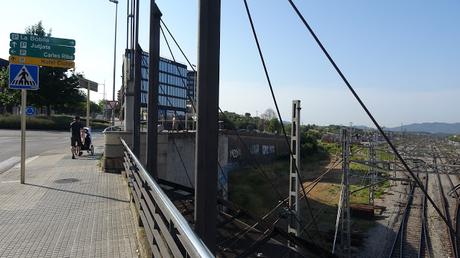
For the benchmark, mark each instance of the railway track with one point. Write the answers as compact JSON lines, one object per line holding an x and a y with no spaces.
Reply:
{"x":421,"y":232}
{"x":412,"y":237}
{"x":452,"y":236}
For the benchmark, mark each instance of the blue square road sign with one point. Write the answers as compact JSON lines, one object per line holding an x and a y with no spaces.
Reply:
{"x":23,"y":77}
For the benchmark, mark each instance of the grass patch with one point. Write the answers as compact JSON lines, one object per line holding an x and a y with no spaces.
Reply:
{"x":58,"y":123}
{"x":331,"y":148}
{"x":359,"y":197}
{"x":381,"y":189}
{"x":253,"y":191}
{"x":384,"y":155}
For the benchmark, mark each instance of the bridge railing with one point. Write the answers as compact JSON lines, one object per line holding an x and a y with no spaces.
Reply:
{"x":168,"y":233}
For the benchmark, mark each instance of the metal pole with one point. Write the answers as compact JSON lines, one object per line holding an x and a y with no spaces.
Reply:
{"x":23,"y":134}
{"x":114,"y":62}
{"x":137,"y":85}
{"x":346,"y":194}
{"x":293,"y":225}
{"x":154,"y":84}
{"x":127,"y":23}
{"x":186,"y":122}
{"x":88,"y":106}
{"x":207,"y":129}
{"x":133,"y":25}
{"x":372,"y":172}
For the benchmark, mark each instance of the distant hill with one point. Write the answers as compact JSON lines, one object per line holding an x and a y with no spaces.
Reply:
{"x":443,"y":128}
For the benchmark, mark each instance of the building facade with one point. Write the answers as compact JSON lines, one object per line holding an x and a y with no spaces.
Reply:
{"x":172,"y":94}
{"x":191,"y":86}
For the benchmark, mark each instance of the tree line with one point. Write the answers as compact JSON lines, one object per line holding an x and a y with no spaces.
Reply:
{"x":267,"y":122}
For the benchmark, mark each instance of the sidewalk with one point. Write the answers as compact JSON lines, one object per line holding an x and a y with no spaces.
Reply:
{"x":67,"y":208}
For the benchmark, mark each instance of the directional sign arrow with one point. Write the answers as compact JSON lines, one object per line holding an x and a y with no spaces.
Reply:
{"x":41,"y":53}
{"x":46,"y":40}
{"x":41,"y":46}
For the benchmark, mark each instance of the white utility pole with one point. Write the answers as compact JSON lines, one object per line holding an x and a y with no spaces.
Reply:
{"x":293,"y":225}
{"x":23,"y":134}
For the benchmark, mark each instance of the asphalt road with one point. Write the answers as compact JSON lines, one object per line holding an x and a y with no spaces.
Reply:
{"x":37,"y":143}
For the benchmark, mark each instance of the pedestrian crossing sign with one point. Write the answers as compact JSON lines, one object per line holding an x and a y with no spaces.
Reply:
{"x":23,"y":77}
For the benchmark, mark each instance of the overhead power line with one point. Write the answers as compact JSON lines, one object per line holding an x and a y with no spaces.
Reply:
{"x":267,"y":76}
{"x":374,"y":121}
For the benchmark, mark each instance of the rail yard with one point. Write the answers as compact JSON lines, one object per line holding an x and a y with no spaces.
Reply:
{"x":418,"y":230}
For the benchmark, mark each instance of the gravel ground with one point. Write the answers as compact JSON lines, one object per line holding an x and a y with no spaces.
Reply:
{"x":436,"y":227}
{"x":380,"y":237}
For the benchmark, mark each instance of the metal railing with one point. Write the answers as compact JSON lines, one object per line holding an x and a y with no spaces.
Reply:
{"x":168,"y":233}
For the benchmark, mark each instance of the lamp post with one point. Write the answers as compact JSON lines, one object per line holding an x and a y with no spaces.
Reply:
{"x":114,"y":60}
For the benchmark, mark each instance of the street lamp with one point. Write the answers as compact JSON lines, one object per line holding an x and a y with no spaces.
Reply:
{"x":114,"y":61}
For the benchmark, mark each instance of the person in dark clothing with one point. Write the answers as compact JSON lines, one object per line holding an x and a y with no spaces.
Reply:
{"x":75,"y":140}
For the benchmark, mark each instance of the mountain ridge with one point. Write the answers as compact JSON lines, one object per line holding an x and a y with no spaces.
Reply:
{"x":429,"y":127}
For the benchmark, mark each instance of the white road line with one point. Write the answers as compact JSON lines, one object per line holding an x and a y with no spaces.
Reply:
{"x":11,"y":181}
{"x":14,"y":162}
{"x":9,"y":163}
{"x":28,"y":160}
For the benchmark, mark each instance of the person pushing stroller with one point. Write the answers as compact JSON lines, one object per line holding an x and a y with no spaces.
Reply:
{"x":75,"y":140}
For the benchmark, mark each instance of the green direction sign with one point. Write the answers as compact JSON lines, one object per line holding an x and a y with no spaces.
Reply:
{"x":17,"y":45}
{"x":43,"y":40}
{"x":42,"y":53}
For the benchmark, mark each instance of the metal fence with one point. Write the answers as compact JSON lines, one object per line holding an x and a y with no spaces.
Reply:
{"x":168,"y":233}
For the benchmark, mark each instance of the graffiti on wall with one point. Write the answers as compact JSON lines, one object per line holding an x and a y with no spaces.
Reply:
{"x":254,"y":149}
{"x":268,"y":149}
{"x":235,"y":153}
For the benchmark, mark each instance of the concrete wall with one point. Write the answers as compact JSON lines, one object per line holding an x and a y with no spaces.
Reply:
{"x":244,"y":148}
{"x":182,"y":146}
{"x":176,"y":153}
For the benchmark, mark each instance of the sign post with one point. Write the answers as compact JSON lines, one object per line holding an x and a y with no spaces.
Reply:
{"x":27,"y":52}
{"x":90,"y":86}
{"x":23,"y":135}
{"x":23,"y":77}
{"x":87,"y":109}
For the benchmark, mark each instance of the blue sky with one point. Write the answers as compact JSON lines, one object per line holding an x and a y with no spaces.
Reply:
{"x":401,"y":56}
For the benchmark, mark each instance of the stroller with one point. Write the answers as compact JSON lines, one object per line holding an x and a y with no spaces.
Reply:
{"x":87,"y":143}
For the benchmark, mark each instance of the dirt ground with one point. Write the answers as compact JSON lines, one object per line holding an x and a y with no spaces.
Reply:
{"x":369,"y":236}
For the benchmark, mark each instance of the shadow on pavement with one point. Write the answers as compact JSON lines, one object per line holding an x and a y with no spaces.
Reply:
{"x":69,"y":191}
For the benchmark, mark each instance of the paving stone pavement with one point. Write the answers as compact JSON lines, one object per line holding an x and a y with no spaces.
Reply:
{"x":67,"y":208}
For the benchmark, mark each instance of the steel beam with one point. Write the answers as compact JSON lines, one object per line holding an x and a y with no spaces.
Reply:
{"x":137,"y":85}
{"x":207,"y":128}
{"x":154,"y":84}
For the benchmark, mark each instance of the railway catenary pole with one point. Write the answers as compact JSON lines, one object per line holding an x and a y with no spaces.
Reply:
{"x":346,"y":223}
{"x":372,"y":172}
{"x":207,"y":129}
{"x":154,"y":84}
{"x":293,"y":225}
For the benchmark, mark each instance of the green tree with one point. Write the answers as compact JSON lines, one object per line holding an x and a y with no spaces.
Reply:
{"x":8,"y":98}
{"x":309,"y":142}
{"x":274,"y":126}
{"x":58,"y":86}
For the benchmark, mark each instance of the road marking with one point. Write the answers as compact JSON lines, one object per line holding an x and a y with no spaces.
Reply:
{"x":9,"y":163}
{"x":12,"y":181}
{"x":28,"y":160}
{"x":14,"y":162}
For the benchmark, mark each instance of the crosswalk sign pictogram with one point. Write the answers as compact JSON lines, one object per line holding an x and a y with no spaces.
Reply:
{"x":23,"y":77}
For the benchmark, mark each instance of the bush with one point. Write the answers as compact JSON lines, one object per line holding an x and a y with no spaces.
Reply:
{"x":59,"y":123}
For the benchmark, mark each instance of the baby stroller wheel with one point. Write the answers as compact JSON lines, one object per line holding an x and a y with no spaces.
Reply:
{"x":92,"y":150}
